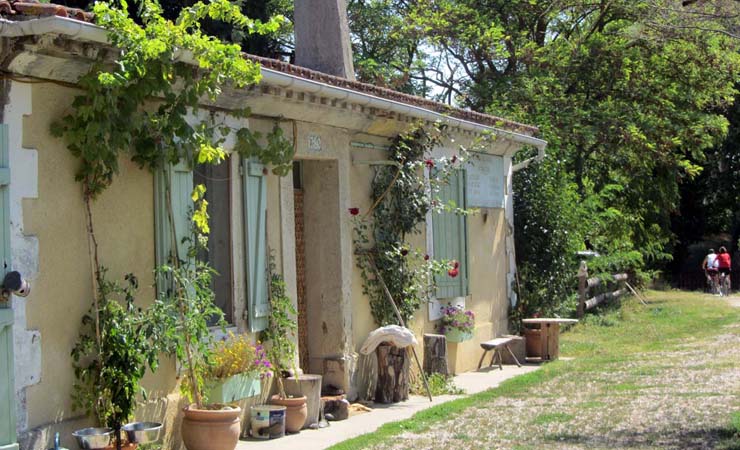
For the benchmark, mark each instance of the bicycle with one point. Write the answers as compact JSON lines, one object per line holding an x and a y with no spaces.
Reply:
{"x":712,"y":283}
{"x":724,"y":284}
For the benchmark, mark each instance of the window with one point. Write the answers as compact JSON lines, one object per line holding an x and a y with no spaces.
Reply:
{"x":217,"y":180}
{"x":251,"y":191}
{"x":450,"y":236}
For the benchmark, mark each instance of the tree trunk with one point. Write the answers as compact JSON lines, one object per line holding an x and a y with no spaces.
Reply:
{"x":435,"y":354}
{"x":393,"y":374}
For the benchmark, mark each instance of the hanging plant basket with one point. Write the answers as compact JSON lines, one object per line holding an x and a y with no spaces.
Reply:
{"x":455,"y":335}
{"x":233,"y":388}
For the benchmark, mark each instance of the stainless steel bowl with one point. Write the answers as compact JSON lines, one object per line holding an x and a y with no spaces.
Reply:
{"x":143,"y":432}
{"x":93,"y":438}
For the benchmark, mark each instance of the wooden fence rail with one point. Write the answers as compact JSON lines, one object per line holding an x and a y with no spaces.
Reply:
{"x":585,"y":284}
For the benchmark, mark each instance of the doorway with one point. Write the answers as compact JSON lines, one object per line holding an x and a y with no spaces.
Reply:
{"x":318,"y":263}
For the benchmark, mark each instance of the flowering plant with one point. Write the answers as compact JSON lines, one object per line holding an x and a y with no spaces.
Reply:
{"x":455,"y":318}
{"x":236,"y":355}
{"x":232,"y":356}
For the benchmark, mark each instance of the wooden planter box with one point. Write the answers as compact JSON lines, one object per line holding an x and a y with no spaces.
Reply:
{"x":234,"y":388}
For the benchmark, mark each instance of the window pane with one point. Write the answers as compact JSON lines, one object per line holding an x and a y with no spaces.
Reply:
{"x":216,"y":179}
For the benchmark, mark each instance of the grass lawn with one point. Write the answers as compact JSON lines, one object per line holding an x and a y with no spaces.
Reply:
{"x":665,"y":375}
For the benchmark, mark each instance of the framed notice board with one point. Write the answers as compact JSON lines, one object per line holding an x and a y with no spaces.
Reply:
{"x":485,"y":181}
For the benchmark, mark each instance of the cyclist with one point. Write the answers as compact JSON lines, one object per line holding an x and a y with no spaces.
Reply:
{"x":724,"y":266}
{"x":710,"y":270}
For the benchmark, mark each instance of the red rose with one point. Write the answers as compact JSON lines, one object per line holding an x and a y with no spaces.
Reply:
{"x":429,"y":163}
{"x":453,"y":273}
{"x":264,"y":171}
{"x":426,"y":257}
{"x":454,"y":158}
{"x":455,"y":264}
{"x":404,"y":252}
{"x":354,"y":211}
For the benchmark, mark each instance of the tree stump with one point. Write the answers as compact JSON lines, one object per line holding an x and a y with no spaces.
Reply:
{"x":435,"y":354}
{"x":393,"y":374}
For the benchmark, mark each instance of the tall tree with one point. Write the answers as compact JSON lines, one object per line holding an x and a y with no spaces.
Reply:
{"x":628,"y":94}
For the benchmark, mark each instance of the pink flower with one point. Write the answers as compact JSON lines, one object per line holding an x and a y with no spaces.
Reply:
{"x":429,"y":163}
{"x":354,"y":211}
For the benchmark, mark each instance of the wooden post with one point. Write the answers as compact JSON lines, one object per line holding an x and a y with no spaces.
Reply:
{"x":582,"y":288}
{"x":400,"y":322}
{"x":435,"y":354}
{"x":393,"y":370}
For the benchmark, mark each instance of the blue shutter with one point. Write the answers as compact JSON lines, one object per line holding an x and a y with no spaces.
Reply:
{"x":255,"y":234}
{"x":180,"y":177}
{"x":7,"y":383}
{"x":450,"y":238}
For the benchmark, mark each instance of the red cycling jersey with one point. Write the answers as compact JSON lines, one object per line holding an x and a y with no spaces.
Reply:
{"x":723,"y":261}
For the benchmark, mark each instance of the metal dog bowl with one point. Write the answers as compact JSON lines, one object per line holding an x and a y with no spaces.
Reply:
{"x":143,"y":432}
{"x":93,"y":438}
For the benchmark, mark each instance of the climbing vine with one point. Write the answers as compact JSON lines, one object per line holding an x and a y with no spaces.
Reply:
{"x":146,"y":101}
{"x":143,"y":103}
{"x":402,"y":195}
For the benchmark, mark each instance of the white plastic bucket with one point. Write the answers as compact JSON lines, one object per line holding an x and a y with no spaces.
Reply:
{"x":267,"y":421}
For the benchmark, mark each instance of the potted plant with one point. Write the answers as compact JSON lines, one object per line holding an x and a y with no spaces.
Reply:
{"x":187,"y":310}
{"x":115,"y":346}
{"x":237,"y":370}
{"x":457,"y":324}
{"x":280,"y":335}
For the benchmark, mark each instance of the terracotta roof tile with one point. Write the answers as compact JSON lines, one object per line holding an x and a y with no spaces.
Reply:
{"x":390,"y":94}
{"x":27,"y":9}
{"x":34,"y":8}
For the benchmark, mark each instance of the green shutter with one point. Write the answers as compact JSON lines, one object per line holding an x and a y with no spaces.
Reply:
{"x":7,"y":366}
{"x":180,"y":177}
{"x":4,"y":201}
{"x":450,"y":238}
{"x":255,"y":226}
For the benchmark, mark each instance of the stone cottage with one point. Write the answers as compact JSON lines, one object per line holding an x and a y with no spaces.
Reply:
{"x":339,"y":127}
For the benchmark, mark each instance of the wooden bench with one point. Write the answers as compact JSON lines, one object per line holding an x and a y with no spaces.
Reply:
{"x":495,"y":345}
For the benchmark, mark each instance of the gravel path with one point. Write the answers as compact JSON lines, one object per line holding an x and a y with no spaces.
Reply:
{"x":670,"y":400}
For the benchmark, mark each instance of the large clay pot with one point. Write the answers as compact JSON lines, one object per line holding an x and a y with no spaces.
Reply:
{"x":210,"y":429}
{"x":295,"y":412}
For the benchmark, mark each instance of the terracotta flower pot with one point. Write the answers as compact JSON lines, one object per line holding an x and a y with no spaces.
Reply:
{"x":210,"y":429}
{"x":296,"y":412}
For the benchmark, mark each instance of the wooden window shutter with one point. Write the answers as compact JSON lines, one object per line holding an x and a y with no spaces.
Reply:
{"x":7,"y":385}
{"x":255,"y":236}
{"x":4,"y":201}
{"x":450,"y":238}
{"x":180,"y":177}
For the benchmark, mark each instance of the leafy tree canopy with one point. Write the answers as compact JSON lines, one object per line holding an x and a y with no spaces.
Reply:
{"x":630,"y":95}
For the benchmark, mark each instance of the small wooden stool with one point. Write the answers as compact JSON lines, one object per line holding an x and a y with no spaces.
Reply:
{"x":495,"y":345}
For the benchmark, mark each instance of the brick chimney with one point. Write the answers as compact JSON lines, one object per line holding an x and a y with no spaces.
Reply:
{"x":322,"y":37}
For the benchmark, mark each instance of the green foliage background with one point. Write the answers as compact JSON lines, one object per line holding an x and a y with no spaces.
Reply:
{"x":632,"y":97}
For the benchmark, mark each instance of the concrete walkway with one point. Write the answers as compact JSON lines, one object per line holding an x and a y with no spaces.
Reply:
{"x":733,"y":300}
{"x":471,"y":382}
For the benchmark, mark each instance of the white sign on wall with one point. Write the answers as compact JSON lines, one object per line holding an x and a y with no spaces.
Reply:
{"x":314,"y":143}
{"x":485,"y":181}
